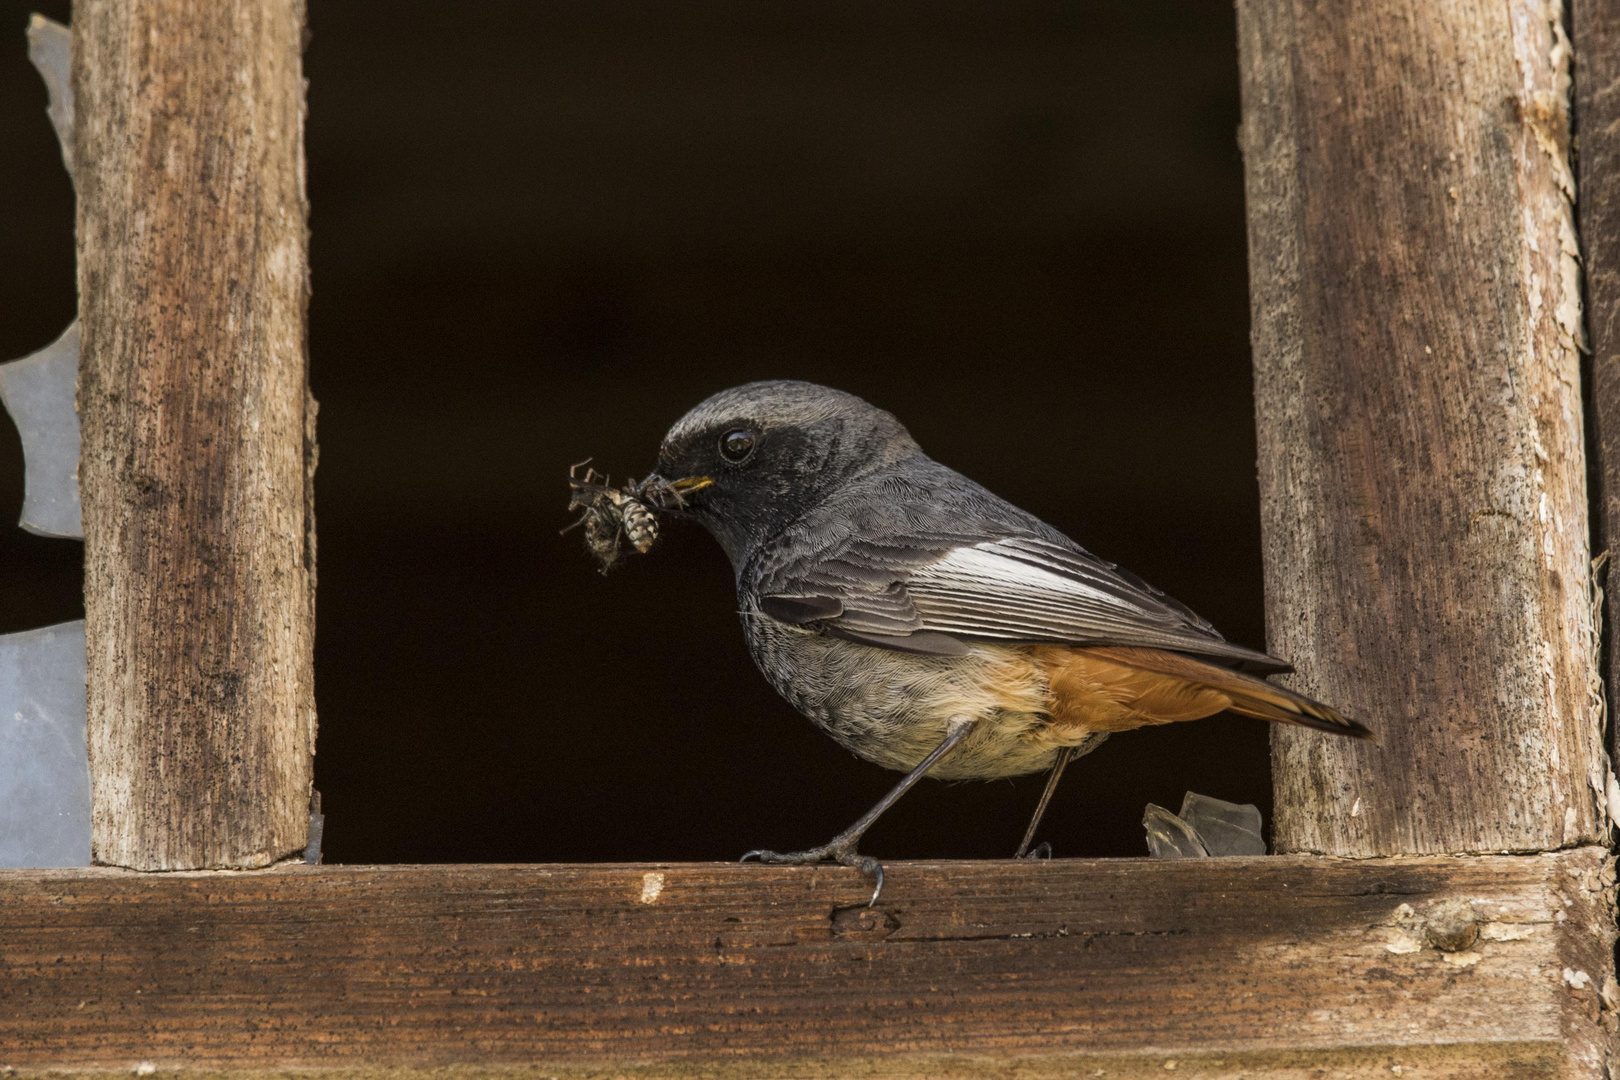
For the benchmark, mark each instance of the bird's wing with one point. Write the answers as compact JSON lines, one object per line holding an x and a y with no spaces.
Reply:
{"x":933,"y":593}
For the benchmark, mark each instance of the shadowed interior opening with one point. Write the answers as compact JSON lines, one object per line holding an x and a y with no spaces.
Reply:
{"x":542,"y":232}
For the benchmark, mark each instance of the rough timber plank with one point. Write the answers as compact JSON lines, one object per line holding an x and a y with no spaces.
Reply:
{"x":199,"y":552}
{"x":1265,"y":967}
{"x":1416,"y":307}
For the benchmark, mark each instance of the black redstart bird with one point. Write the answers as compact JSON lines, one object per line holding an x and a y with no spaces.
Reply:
{"x":924,"y":623}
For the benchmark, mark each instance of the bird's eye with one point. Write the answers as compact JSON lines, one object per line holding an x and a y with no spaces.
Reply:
{"x":736,"y":445}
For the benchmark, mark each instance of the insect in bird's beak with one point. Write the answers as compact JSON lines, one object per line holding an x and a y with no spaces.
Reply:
{"x":668,"y":495}
{"x":610,"y":513}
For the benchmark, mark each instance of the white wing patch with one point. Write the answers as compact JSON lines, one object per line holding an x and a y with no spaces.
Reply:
{"x":1017,"y":589}
{"x":987,"y":569}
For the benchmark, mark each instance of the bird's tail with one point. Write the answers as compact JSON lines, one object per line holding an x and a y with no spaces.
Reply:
{"x":1152,"y":686}
{"x":1250,"y":695}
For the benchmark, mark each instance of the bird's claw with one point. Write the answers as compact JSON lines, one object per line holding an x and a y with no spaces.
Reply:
{"x":1042,"y":850}
{"x":777,"y":858}
{"x":842,"y":854}
{"x":824,"y":853}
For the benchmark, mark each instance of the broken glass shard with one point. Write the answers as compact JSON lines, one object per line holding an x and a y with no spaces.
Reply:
{"x":1204,"y":827}
{"x":1169,"y":837}
{"x":44,"y":760}
{"x":1225,"y":828}
{"x":38,"y":392}
{"x":48,"y":49}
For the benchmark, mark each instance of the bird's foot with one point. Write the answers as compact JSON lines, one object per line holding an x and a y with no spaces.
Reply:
{"x":1042,"y":850}
{"x":841,"y":852}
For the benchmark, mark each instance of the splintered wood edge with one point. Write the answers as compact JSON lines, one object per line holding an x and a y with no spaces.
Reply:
{"x":1267,"y":967}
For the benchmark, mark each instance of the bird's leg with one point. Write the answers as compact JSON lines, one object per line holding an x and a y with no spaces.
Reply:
{"x":841,"y":848}
{"x":1040,"y":808}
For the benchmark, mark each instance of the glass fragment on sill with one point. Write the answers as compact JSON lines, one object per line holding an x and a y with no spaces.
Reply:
{"x":1169,"y":837}
{"x":1225,"y":828}
{"x":1205,"y":827}
{"x":317,"y":828}
{"x":44,"y":760}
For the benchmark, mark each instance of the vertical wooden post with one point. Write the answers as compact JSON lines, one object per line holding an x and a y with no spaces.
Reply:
{"x":1595,"y":26}
{"x":1416,"y":317}
{"x":192,"y":285}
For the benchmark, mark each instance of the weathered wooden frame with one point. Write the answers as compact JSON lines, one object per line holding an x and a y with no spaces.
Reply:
{"x":1426,"y":955}
{"x":1221,"y":967}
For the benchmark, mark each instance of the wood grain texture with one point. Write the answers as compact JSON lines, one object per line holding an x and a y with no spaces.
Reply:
{"x":1416,"y":313}
{"x":1595,"y":30}
{"x":1255,"y":966}
{"x":192,"y":283}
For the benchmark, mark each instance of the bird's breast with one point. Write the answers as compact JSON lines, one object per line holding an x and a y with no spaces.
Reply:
{"x":892,"y":708}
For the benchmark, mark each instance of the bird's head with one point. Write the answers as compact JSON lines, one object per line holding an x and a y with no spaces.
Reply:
{"x":750,"y":460}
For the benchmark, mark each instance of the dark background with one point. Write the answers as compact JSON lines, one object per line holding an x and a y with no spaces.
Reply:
{"x":542,"y":232}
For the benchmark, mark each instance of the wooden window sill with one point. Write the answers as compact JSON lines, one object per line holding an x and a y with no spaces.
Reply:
{"x":1275,"y":966}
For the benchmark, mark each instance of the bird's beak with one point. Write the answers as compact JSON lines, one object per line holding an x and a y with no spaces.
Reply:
{"x":670,"y":495}
{"x":686,"y":485}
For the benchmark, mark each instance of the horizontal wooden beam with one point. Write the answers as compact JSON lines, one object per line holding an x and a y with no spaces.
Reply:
{"x":1224,"y":967}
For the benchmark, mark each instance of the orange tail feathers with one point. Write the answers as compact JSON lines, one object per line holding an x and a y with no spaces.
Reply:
{"x":1120,"y":688}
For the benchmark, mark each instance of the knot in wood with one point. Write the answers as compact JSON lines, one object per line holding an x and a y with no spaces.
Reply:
{"x":1450,"y":925}
{"x":863,"y":923}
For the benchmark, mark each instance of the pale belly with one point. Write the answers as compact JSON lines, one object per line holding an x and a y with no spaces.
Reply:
{"x":892,"y":708}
